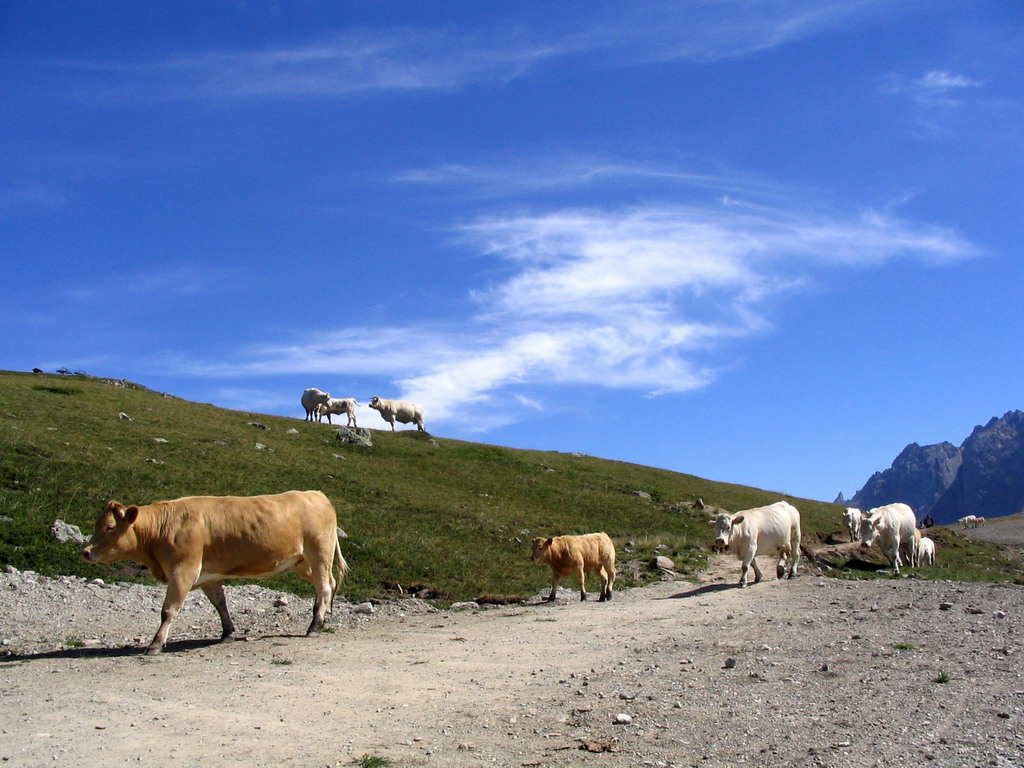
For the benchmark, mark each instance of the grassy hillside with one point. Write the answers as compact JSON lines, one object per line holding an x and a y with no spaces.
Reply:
{"x":452,"y":516}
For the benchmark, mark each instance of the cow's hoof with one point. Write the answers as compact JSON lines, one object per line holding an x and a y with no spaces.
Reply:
{"x":153,"y":650}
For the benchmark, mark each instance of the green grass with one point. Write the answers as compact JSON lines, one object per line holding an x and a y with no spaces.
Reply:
{"x":942,"y":678}
{"x":451,"y":516}
{"x":903,"y":646}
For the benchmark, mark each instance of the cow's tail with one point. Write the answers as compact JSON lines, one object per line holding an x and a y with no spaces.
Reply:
{"x":340,"y":570}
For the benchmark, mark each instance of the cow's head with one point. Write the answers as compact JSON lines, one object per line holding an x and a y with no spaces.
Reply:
{"x":869,"y":529}
{"x":375,"y":402}
{"x":723,"y":525}
{"x":540,"y":548}
{"x":113,"y":537}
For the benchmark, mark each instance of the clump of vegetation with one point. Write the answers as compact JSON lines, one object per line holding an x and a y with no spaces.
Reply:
{"x":903,"y":646}
{"x":371,"y":761}
{"x":942,"y":678}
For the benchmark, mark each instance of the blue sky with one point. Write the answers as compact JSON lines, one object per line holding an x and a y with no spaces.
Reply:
{"x":765,"y":242}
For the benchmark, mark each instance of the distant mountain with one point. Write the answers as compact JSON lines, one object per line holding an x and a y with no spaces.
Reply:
{"x":984,"y":476}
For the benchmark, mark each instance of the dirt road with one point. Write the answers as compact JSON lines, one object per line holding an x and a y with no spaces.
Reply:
{"x":807,"y":672}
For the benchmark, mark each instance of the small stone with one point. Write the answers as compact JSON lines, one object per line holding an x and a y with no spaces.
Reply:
{"x":622,"y":719}
{"x":281,"y":602}
{"x":945,"y":606}
{"x":730,"y":663}
{"x":999,"y":615}
{"x":160,"y":440}
{"x":363,"y":608}
{"x":124,"y":417}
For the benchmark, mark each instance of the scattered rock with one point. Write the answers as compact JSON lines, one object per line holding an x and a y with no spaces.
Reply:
{"x":730,"y":663}
{"x":124,"y":417}
{"x":363,"y":608}
{"x":945,"y":606}
{"x":257,"y":425}
{"x":159,"y":440}
{"x":281,"y":602}
{"x":65,"y":532}
{"x":291,"y":431}
{"x":664,"y":563}
{"x":622,"y":719}
{"x":354,"y":436}
{"x":470,"y":605}
{"x":643,"y":494}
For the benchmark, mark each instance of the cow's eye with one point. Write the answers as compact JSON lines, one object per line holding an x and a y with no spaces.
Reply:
{"x":111,"y":527}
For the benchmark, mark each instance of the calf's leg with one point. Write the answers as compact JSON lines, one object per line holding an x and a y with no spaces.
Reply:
{"x":555,"y":579}
{"x":581,"y":574}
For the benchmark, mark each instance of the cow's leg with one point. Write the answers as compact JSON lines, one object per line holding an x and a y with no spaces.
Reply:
{"x":607,"y":577}
{"x":581,"y":574}
{"x":894,"y":559}
{"x":316,"y":569}
{"x":745,"y":563}
{"x":780,"y":567}
{"x":179,"y":584}
{"x":757,"y":570}
{"x":215,"y":591}
{"x":555,"y":579}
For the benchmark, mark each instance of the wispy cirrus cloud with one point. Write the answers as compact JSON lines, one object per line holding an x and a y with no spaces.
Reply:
{"x":180,"y":280}
{"x":934,"y":89}
{"x":410,"y":59}
{"x":637,"y":298}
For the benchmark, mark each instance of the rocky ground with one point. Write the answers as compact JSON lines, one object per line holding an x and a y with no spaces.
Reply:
{"x":808,"y":672}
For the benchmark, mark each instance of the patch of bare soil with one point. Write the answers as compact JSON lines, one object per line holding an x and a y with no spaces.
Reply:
{"x":806,"y":672}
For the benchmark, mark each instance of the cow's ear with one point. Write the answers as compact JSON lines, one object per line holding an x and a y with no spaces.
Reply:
{"x":549,"y":542}
{"x":737,"y":520}
{"x":131,"y":515}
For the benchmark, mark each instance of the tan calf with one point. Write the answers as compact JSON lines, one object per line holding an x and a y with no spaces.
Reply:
{"x":578,"y":555}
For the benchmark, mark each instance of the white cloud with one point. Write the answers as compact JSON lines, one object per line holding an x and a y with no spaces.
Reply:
{"x":634,"y":299}
{"x":397,"y":59}
{"x":936,"y":89}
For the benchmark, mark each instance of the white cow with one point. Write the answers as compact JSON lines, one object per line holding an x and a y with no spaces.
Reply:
{"x":311,"y":398}
{"x":967,"y":521}
{"x":338,"y":406}
{"x":978,"y":522}
{"x":851,"y":519}
{"x":925,"y":551}
{"x":771,"y":530}
{"x":892,"y":527}
{"x":395,"y":410}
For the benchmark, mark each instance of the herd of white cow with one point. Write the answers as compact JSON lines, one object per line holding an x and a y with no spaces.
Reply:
{"x":318,"y":404}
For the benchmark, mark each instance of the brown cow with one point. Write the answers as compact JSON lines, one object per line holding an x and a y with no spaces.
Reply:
{"x":197,"y":541}
{"x":578,"y":555}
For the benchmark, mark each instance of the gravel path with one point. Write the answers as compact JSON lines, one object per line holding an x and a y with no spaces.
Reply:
{"x":807,"y":672}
